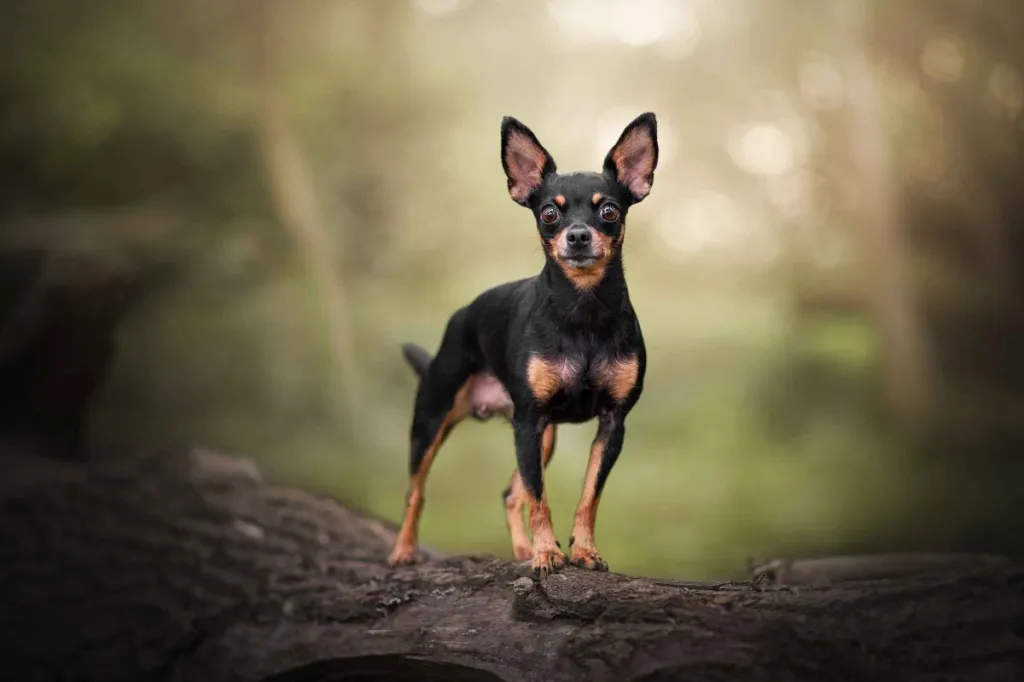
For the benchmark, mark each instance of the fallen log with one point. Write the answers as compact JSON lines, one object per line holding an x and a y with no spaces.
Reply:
{"x":190,"y":567}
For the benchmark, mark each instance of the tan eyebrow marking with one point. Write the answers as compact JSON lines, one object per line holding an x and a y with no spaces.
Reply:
{"x":560,"y":200}
{"x":597,"y":198}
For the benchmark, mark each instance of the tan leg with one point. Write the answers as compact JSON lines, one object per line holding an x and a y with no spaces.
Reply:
{"x":404,"y":551}
{"x":584,"y":552}
{"x":547,"y":556}
{"x":516,"y":499}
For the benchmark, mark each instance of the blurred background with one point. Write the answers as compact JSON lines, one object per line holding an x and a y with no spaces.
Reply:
{"x":828,"y":272}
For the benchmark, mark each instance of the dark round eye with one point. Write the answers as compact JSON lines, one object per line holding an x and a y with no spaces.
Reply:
{"x":609,"y":213}
{"x":549,"y":215}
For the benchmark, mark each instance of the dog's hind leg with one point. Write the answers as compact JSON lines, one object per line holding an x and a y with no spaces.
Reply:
{"x":441,"y":403}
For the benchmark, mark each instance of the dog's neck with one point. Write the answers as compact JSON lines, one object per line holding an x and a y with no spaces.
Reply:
{"x":571,"y":305}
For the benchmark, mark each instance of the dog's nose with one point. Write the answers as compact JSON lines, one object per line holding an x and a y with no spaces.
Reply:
{"x":578,"y":236}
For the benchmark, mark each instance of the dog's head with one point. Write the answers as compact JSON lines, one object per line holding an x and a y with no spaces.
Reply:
{"x":581,"y":216}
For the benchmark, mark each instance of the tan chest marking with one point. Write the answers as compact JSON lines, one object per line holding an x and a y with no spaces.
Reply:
{"x":546,"y":376}
{"x":618,"y":376}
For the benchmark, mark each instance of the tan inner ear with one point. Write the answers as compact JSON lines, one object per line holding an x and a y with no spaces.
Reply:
{"x":525,"y":166}
{"x":634,"y":162}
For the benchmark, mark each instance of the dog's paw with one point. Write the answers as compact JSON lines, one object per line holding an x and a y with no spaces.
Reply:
{"x":547,"y":561}
{"x":403,"y":555}
{"x":588,"y":558}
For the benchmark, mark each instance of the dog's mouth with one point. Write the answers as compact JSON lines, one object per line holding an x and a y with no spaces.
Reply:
{"x":579,"y":260}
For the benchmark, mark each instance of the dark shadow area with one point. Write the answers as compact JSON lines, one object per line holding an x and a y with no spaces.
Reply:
{"x":381,"y":668}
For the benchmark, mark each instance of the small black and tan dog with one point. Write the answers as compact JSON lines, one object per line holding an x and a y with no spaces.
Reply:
{"x":562,"y":347}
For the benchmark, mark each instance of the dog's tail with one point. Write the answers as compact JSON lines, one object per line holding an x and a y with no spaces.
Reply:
{"x":417,"y":357}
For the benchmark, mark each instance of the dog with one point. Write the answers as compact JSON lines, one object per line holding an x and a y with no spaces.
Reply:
{"x":562,"y":347}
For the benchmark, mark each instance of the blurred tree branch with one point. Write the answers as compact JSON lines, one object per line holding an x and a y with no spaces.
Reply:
{"x":114,"y":232}
{"x":289,"y":180}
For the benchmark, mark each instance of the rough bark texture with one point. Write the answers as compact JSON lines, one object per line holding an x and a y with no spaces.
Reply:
{"x":188,"y":567}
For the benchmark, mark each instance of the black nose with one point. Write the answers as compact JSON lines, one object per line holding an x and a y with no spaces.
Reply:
{"x":578,"y":236}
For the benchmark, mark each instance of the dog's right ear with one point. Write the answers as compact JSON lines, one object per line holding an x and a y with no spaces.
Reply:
{"x":524,"y":159}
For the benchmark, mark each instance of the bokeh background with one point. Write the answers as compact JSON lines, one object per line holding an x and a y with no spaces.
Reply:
{"x":828,"y":271}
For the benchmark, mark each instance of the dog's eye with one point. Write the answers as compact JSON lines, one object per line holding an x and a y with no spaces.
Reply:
{"x":609,"y":213}
{"x":549,"y":215}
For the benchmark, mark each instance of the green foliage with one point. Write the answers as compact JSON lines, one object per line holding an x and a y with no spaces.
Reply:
{"x":764,"y":427}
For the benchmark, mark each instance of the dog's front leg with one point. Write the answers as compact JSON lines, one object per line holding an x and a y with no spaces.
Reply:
{"x":604,"y":452}
{"x":529,"y":430}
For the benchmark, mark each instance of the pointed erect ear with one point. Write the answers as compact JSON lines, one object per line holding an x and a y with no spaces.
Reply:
{"x":524,"y":159}
{"x":632,"y":160}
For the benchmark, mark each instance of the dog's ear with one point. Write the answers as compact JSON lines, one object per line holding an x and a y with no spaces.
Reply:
{"x":524,"y":159}
{"x":631,"y":162}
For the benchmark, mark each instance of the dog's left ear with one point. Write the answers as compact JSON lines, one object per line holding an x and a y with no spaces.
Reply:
{"x":524,"y":159}
{"x":631,"y":162}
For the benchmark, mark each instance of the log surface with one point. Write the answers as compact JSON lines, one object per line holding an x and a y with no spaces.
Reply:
{"x":190,"y":567}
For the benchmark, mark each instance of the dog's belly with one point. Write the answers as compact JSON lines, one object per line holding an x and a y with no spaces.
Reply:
{"x":485,"y":397}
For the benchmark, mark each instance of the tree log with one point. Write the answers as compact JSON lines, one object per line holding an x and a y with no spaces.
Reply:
{"x":189,"y":567}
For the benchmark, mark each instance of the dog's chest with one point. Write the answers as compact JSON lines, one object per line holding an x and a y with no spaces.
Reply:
{"x":574,"y":386}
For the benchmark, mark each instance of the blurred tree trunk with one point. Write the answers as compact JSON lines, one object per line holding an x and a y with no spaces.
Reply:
{"x":967,"y":223}
{"x":291,"y":186}
{"x":58,"y":319}
{"x":907,"y":366}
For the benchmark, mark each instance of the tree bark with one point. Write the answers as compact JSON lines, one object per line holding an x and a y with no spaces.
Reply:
{"x":189,"y":567}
